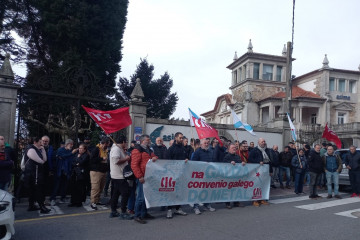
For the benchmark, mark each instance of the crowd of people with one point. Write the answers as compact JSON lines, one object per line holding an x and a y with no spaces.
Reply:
{"x":91,"y":169}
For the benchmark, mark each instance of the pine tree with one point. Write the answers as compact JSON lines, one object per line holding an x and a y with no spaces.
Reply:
{"x":162,"y":103}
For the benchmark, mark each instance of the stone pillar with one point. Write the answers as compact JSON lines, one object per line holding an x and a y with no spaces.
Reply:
{"x":137,"y":110}
{"x":261,"y":71}
{"x":8,"y":98}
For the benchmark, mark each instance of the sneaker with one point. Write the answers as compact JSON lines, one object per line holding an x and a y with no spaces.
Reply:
{"x":114,"y":214}
{"x":169,"y":214}
{"x":100,"y":204}
{"x":338,"y":196}
{"x":273,"y":186}
{"x":256,"y":204}
{"x":52,"y":203}
{"x":354,"y":195}
{"x":125,"y":216}
{"x":139,"y":220}
{"x":93,"y":206}
{"x":62,"y":200}
{"x":263,"y":202}
{"x":312,"y":197}
{"x":211,"y":209}
{"x":329,"y":196}
{"x":317,"y":196}
{"x":197,"y":211}
{"x":228,"y":206}
{"x":180,"y":212}
{"x":288,"y":187}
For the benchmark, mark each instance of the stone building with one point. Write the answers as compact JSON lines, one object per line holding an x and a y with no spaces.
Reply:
{"x":325,"y":95}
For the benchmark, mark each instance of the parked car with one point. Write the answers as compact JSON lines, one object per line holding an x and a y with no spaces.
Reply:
{"x":344,"y":175}
{"x":7,"y":215}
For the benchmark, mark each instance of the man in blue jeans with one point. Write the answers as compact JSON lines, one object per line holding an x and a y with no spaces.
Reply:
{"x":333,"y":166}
{"x":285,"y":158}
{"x":139,"y":157}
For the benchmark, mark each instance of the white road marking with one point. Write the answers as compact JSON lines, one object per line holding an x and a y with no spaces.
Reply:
{"x":321,"y":205}
{"x":349,"y":213}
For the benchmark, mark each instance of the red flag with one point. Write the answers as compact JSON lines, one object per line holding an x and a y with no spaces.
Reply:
{"x":204,"y":130}
{"x":110,"y":121}
{"x":331,"y":136}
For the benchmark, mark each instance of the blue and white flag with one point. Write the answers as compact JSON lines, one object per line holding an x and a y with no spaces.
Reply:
{"x":192,"y":114}
{"x":239,"y":124}
{"x":292,"y":128}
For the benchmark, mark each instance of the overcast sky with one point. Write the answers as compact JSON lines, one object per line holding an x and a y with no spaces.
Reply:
{"x":194,"y":40}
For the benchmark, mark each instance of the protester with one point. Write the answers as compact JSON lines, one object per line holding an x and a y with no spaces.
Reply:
{"x":49,"y":166}
{"x":34,"y":159}
{"x":251,"y":146}
{"x":352,"y":162}
{"x":285,"y":158}
{"x":64,"y":158}
{"x":333,"y":167}
{"x":78,"y":176}
{"x":316,"y":168}
{"x":307,"y":174}
{"x":176,"y":151}
{"x":139,"y":158}
{"x":261,"y":155}
{"x":244,"y":151}
{"x":233,"y":158}
{"x":118,"y":161}
{"x":299,"y":163}
{"x":275,"y":166}
{"x":6,"y":166}
{"x":159,"y":148}
{"x":98,"y":169}
{"x":220,"y":151}
{"x":203,"y":154}
{"x":188,"y":148}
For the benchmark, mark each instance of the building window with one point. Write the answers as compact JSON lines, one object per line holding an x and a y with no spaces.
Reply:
{"x":313,"y":118}
{"x":332,"y":84}
{"x":341,"y":118}
{"x":240,"y":74}
{"x":341,"y":85}
{"x":352,"y":86}
{"x":256,"y":70}
{"x":235,"y":77}
{"x":267,"y":72}
{"x":278,"y":73}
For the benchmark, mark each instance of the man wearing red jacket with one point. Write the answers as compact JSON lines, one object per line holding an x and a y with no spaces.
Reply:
{"x":139,"y":157}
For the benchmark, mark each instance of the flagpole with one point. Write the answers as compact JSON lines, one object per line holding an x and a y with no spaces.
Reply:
{"x":237,"y":136}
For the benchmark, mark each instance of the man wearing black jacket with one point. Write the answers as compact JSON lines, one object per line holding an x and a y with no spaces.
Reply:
{"x":98,"y":168}
{"x":316,"y":168}
{"x":176,"y":151}
{"x":159,"y":148}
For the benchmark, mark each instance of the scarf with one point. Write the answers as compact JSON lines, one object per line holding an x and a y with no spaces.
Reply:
{"x":266,"y":158}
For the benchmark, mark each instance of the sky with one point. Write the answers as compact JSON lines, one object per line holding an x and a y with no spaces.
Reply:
{"x":195,"y":40}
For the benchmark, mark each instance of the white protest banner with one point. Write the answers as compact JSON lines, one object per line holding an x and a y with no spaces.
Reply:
{"x":174,"y":182}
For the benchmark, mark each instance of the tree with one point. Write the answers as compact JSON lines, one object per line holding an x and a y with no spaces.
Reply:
{"x":10,"y":16}
{"x":65,"y":34}
{"x":162,"y":103}
{"x":74,"y":48}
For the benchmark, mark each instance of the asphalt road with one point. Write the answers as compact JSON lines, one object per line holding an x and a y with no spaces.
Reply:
{"x":287,"y":217}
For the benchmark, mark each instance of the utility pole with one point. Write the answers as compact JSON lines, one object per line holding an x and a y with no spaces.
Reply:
{"x":288,"y":78}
